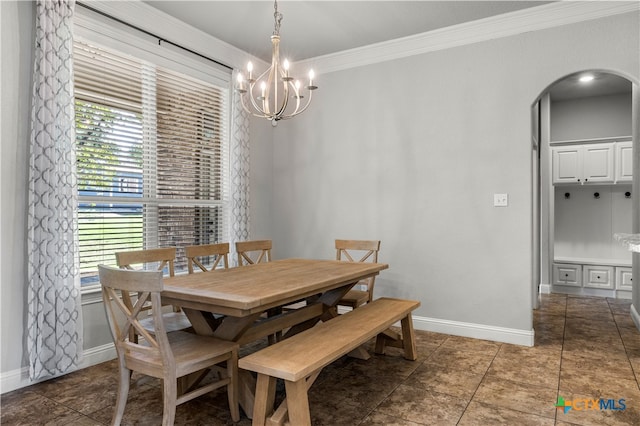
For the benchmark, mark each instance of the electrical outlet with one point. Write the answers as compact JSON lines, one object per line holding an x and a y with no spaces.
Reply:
{"x":500,"y":200}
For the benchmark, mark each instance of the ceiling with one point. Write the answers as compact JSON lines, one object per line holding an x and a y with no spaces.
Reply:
{"x":603,"y":84}
{"x":315,"y":28}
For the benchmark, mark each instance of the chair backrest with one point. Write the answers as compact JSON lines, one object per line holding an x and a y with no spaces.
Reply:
{"x":359,"y":251}
{"x":123,"y":318}
{"x":219,"y":252}
{"x":250,"y":252}
{"x":162,"y":256}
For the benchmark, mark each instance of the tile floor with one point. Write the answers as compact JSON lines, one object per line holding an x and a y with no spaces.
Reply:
{"x":586,"y":348}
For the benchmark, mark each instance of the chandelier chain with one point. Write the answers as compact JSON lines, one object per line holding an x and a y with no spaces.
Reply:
{"x":277,"y":17}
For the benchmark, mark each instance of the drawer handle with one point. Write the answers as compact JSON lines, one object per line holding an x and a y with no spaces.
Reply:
{"x":566,"y":275}
{"x":598,"y":276}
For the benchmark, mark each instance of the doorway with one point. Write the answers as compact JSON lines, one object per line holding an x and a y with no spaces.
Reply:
{"x":610,"y":119}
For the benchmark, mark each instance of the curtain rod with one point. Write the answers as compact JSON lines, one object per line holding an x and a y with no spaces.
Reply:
{"x":160,"y":39}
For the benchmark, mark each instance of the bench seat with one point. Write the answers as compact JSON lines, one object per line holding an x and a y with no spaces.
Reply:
{"x":299,"y":359}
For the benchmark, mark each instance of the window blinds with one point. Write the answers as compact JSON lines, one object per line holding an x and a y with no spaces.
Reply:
{"x":152,"y":150}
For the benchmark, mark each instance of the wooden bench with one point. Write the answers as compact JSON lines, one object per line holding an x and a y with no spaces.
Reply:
{"x":299,"y":359}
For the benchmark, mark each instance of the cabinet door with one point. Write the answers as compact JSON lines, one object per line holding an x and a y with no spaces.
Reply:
{"x":597,"y":276}
{"x":567,"y":164}
{"x":567,"y":274}
{"x":598,"y":163}
{"x":624,"y":161}
{"x":624,"y":278}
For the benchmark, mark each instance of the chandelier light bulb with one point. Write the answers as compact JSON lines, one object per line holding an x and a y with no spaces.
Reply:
{"x":249,"y":68}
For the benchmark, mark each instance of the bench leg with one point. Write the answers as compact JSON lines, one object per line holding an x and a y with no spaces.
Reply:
{"x":298,"y":403}
{"x":406,"y":340}
{"x":409,"y":338}
{"x":265,"y":397}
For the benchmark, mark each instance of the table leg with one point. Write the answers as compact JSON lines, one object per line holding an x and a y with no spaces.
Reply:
{"x":328,"y":300}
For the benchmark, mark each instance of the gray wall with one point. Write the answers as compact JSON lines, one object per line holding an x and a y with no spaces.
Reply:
{"x":16,"y":36}
{"x":409,"y":151}
{"x":591,"y":118}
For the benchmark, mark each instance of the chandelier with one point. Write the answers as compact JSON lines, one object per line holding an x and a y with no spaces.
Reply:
{"x":274,"y":94}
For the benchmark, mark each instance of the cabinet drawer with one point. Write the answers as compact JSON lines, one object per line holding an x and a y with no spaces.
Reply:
{"x":624,"y":278}
{"x":567,"y":274}
{"x":597,"y":276}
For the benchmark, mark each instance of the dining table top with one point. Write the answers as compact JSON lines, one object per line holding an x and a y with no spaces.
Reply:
{"x":245,"y":290}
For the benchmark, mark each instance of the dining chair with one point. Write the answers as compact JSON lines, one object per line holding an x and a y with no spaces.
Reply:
{"x":158,"y":259}
{"x":216,"y":253}
{"x":167,"y":356}
{"x":256,"y":251}
{"x":358,"y":251}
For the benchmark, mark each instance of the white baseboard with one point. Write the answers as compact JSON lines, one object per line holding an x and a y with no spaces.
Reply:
{"x":476,"y":331}
{"x":635,"y":316}
{"x":465,"y":329}
{"x":19,"y":378}
{"x":544,"y":288}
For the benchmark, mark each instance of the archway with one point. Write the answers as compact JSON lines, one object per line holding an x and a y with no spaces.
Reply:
{"x":617,"y":91}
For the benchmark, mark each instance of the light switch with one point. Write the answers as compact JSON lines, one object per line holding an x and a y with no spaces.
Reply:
{"x":500,"y":200}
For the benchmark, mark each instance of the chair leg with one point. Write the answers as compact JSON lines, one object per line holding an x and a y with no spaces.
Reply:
{"x":170,"y":394}
{"x":123,"y":392}
{"x":232,"y":386}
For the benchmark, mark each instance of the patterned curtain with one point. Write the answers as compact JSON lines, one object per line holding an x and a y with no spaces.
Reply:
{"x":54,"y":323}
{"x":239,"y":173}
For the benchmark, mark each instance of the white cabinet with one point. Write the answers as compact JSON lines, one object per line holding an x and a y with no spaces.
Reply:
{"x":624,"y":278}
{"x":595,"y":276}
{"x":624,"y":161}
{"x":567,"y":164}
{"x":598,"y":163}
{"x":583,"y":164}
{"x":567,"y":274}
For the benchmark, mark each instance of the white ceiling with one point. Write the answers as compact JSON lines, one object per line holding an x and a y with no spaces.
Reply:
{"x":603,"y":84}
{"x":314,"y":28}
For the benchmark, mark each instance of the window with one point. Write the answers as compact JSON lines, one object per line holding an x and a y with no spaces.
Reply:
{"x":152,"y":155}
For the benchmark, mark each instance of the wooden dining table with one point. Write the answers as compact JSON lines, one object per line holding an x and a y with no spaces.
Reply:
{"x":230,"y":303}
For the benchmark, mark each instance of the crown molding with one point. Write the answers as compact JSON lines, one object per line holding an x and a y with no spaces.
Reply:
{"x":150,"y":19}
{"x":513,"y":23}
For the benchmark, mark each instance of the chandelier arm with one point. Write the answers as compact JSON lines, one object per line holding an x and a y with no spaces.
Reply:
{"x":251,"y":94}
{"x":285,"y":98}
{"x":307,"y":104}
{"x":288,"y":116}
{"x":297,"y":97}
{"x":248,"y":110}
